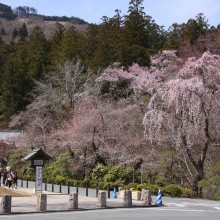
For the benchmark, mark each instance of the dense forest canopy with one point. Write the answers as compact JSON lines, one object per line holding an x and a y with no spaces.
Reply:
{"x":118,"y":93}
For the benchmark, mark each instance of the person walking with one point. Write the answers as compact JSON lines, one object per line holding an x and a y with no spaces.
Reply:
{"x":15,"y":179}
{"x":9,"y":179}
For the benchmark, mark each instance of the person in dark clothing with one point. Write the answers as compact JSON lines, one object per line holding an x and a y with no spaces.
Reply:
{"x":9,"y":179}
{"x":5,"y":172}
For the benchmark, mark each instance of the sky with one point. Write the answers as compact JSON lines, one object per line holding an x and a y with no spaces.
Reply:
{"x":164,"y":12}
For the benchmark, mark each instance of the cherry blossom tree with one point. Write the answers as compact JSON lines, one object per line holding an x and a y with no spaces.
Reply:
{"x":104,"y":132}
{"x":184,"y":113}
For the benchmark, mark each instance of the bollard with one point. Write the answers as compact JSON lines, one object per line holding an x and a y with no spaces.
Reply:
{"x":73,"y":201}
{"x":101,"y":200}
{"x":5,"y":205}
{"x":127,"y":198}
{"x":22,"y":182}
{"x":41,"y":203}
{"x":159,"y":199}
{"x":27,"y":183}
{"x":115,"y":193}
{"x":146,"y":197}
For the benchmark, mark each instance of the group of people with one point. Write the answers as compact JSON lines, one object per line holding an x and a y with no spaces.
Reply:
{"x":10,"y":179}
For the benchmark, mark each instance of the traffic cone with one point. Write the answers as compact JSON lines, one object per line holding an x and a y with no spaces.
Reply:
{"x":115,"y":193}
{"x":159,"y":199}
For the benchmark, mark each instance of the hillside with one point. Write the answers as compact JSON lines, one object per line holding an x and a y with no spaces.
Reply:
{"x":7,"y":27}
{"x":12,"y":20}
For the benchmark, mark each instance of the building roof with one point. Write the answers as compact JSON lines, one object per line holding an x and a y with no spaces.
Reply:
{"x":37,"y":153}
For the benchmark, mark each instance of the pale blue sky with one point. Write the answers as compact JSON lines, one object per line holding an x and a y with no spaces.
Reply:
{"x":164,"y":12}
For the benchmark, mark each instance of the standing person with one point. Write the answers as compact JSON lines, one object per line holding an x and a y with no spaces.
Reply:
{"x":5,"y":177}
{"x":15,"y":179}
{"x":9,"y":179}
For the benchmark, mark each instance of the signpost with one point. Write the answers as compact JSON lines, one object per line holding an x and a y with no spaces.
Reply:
{"x":37,"y":158}
{"x":38,"y":179}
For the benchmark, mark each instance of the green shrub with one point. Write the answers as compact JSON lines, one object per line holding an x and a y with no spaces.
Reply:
{"x":99,"y":172}
{"x":131,"y":185}
{"x":60,"y":179}
{"x":187,"y":193}
{"x":153,"y":188}
{"x":172,"y":190}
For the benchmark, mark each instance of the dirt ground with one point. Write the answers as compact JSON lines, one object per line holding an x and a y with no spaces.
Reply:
{"x":12,"y":192}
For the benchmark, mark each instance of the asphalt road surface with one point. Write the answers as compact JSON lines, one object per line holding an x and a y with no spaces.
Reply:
{"x":174,"y":209}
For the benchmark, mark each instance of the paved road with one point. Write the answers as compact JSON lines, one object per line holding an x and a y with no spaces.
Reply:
{"x":163,"y":213}
{"x":173,"y":209}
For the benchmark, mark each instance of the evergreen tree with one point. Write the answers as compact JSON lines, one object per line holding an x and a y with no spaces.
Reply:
{"x":140,"y":36}
{"x":14,"y":34}
{"x":71,"y":44}
{"x":37,"y":54}
{"x":55,"y":42}
{"x":23,"y":33}
{"x":15,"y":83}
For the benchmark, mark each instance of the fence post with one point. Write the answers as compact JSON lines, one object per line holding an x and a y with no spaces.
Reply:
{"x":97,"y":190}
{"x":108,"y":191}
{"x":68,"y":187}
{"x":87,"y":193}
{"x":60,"y":187}
{"x":22,"y":182}
{"x":27,"y":183}
{"x":46,"y":185}
{"x":52,"y":186}
{"x":77,"y":188}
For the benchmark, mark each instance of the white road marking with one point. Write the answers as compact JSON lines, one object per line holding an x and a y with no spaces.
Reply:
{"x":110,"y":210}
{"x":217,"y":208}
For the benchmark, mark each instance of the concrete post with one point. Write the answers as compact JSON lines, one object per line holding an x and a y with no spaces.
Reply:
{"x":146,"y":197}
{"x":5,"y":205}
{"x":101,"y":200}
{"x":73,"y":201}
{"x":127,"y":198}
{"x":41,"y":203}
{"x":138,"y":196}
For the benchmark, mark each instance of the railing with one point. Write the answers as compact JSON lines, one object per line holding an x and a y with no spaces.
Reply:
{"x":67,"y":189}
